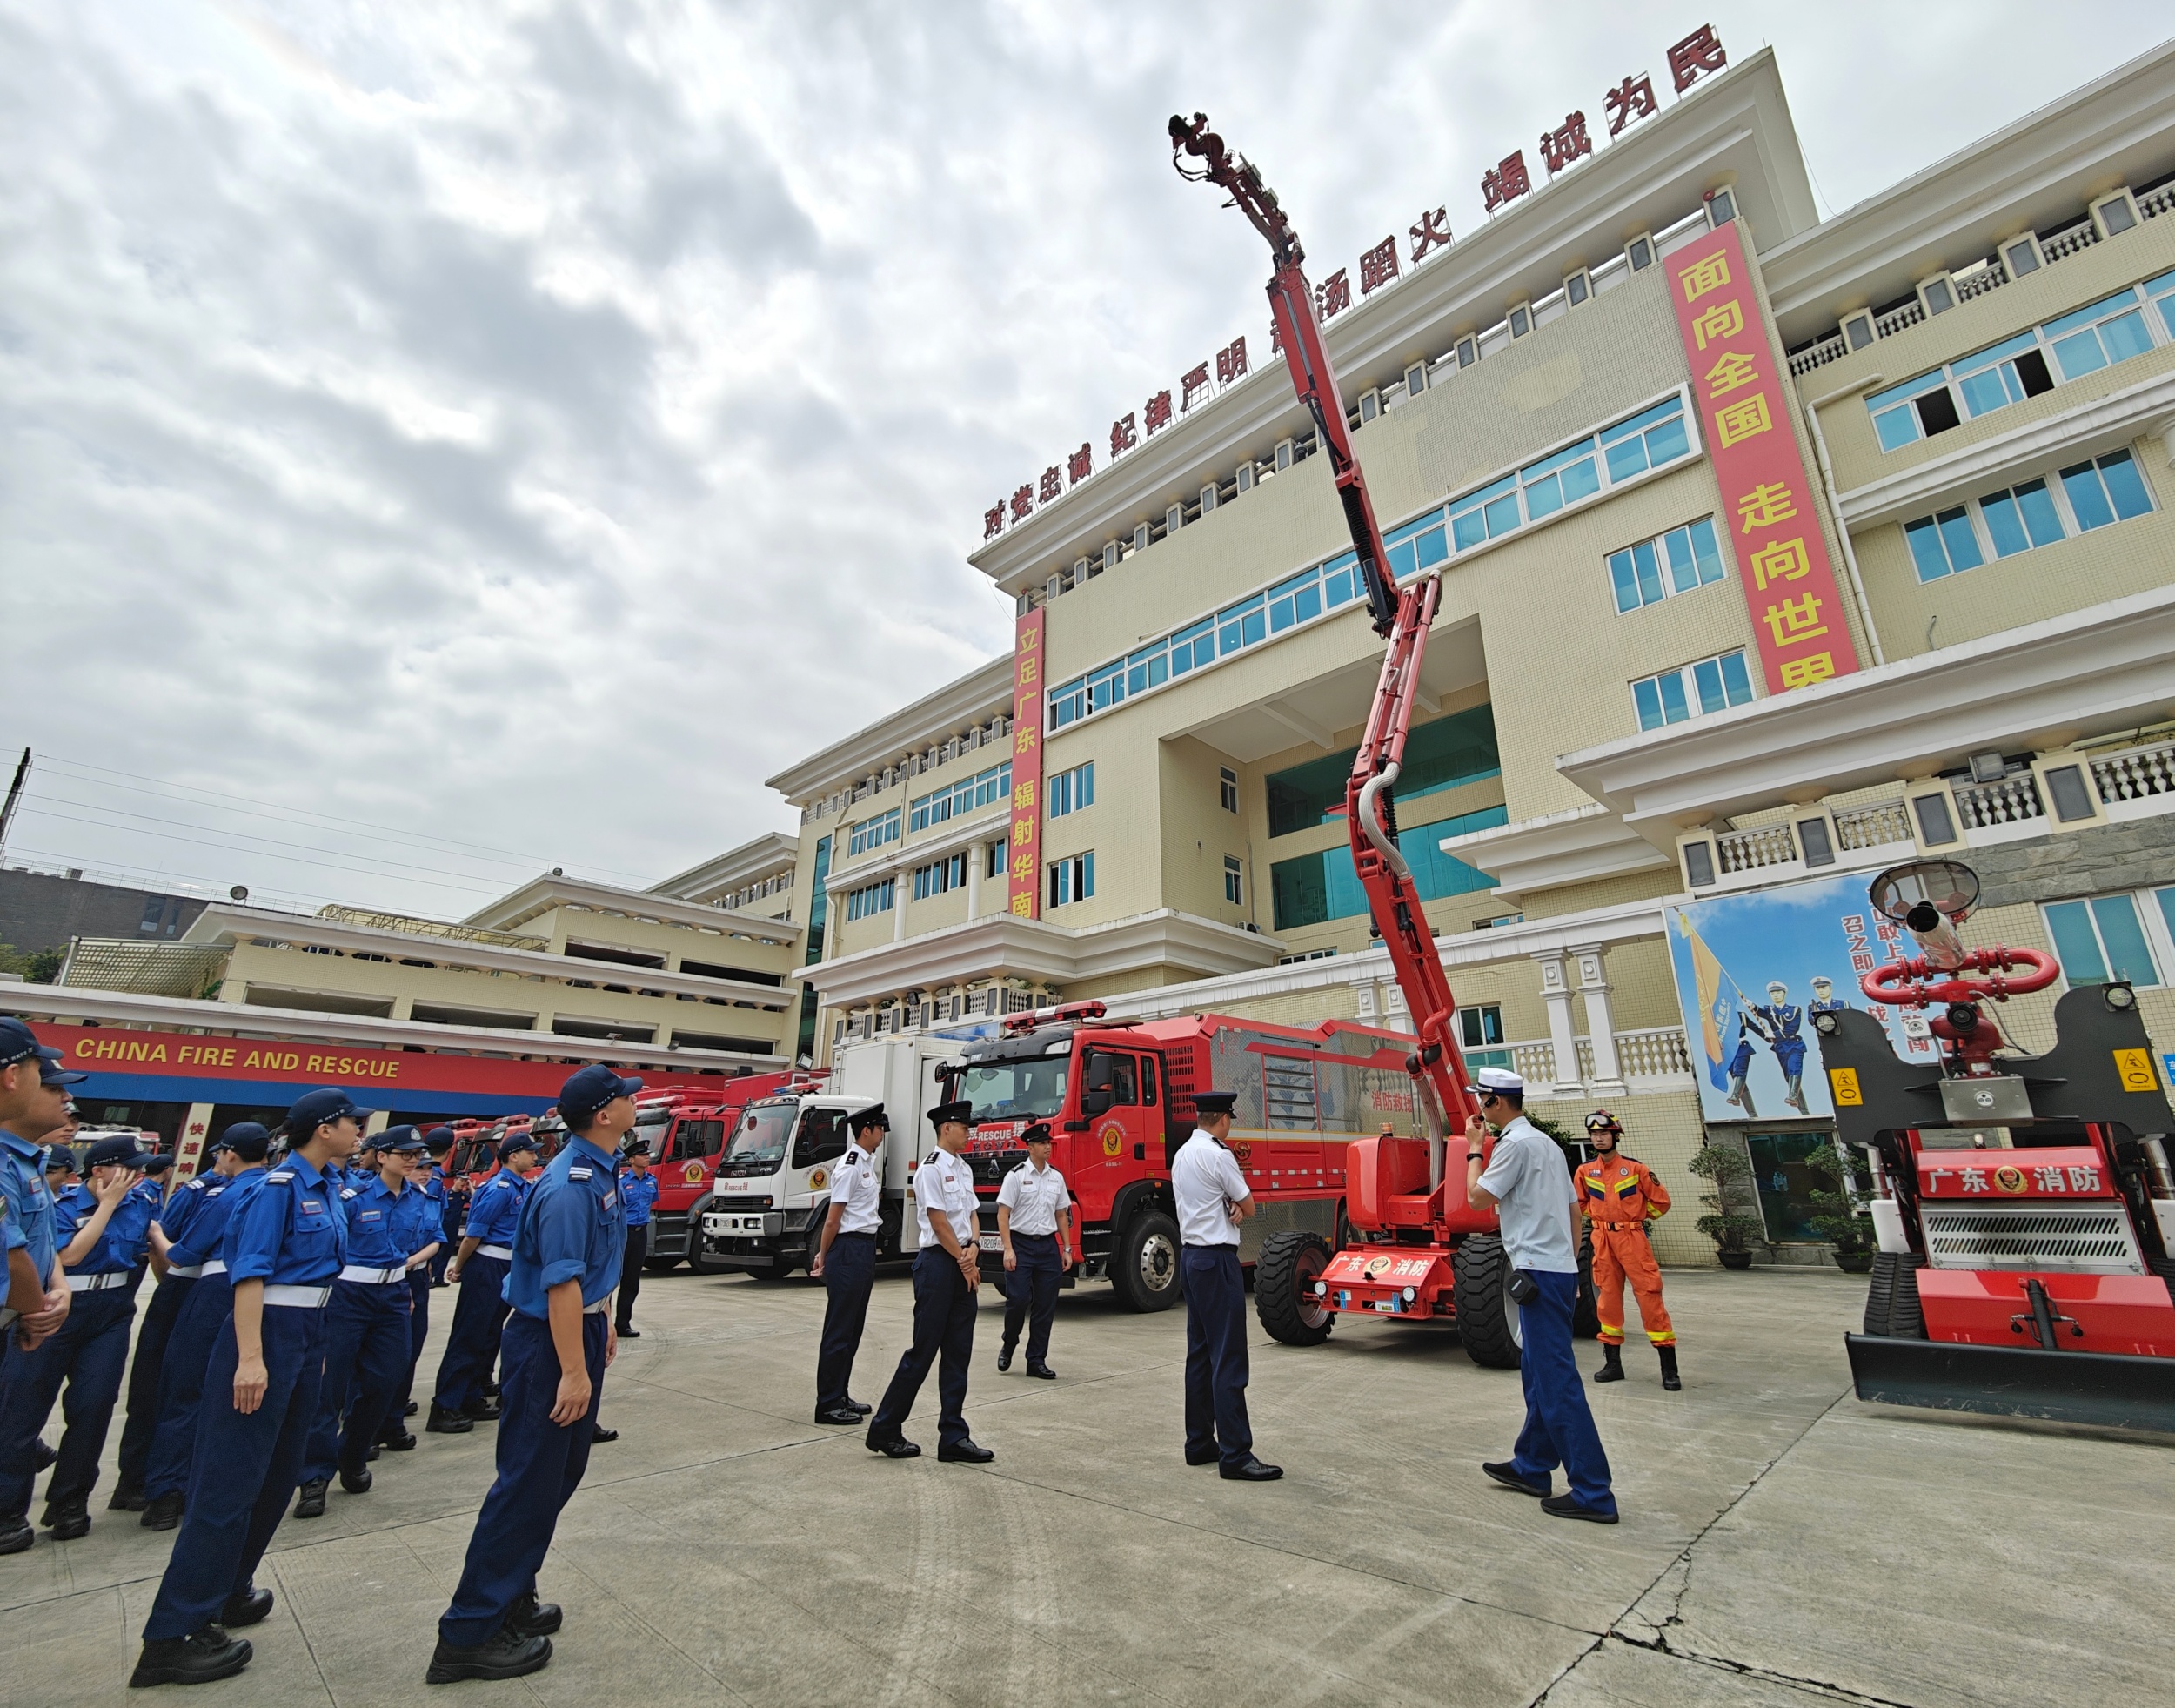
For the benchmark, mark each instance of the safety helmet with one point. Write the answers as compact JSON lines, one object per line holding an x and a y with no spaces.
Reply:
{"x":1602,"y":1122}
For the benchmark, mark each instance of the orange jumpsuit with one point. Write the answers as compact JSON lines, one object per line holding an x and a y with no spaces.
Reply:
{"x":1620,"y":1196}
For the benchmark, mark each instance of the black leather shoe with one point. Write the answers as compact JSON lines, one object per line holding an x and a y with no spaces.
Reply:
{"x":859,"y":1409}
{"x":533,"y":1618}
{"x":1566,"y":1505}
{"x":1249,"y":1469}
{"x":1207,"y":1456}
{"x":604,"y":1435}
{"x":1004,"y":1357}
{"x":1041,"y":1372}
{"x":40,"y":1455}
{"x":311,"y":1505}
{"x":897,"y":1448}
{"x":484,"y":1410}
{"x":411,"y":1409}
{"x":355,"y":1482}
{"x":376,"y":1447}
{"x":163,"y":1513}
{"x":839,"y":1414}
{"x":628,"y":1334}
{"x":448,"y":1423}
{"x":490,"y":1389}
{"x":15,"y":1533}
{"x":246,"y":1607}
{"x":508,"y":1655}
{"x":403,"y":1442}
{"x":68,"y":1519}
{"x":126,"y":1499}
{"x":968,"y":1452}
{"x":1504,"y":1473}
{"x":196,"y":1659}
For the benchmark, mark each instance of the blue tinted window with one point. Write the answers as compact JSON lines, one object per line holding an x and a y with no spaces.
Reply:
{"x":2003,"y":525}
{"x":2079,"y":354}
{"x":1957,"y":535}
{"x":1493,"y":510}
{"x":1501,"y":514}
{"x":1296,"y":601}
{"x":1647,"y":696}
{"x":2122,"y":939}
{"x":1068,"y":703}
{"x":2087,"y":497}
{"x":1649,"y":572}
{"x":1667,"y":441}
{"x":1925,"y":550}
{"x":1144,"y":670}
{"x":1703,"y":549}
{"x":1897,"y":427}
{"x":1626,"y":459}
{"x":1339,"y":580}
{"x":1241,"y":626}
{"x":2085,"y":317}
{"x":1105,"y":687}
{"x":1737,"y":682}
{"x":1193,"y":647}
{"x":1626,"y":583}
{"x":1707,"y":677}
{"x":1675,"y":708}
{"x":2125,"y":485}
{"x":1433,"y":546}
{"x":2124,"y":336}
{"x":2041,"y":521}
{"x":1417,"y":545}
{"x":2076,"y":944}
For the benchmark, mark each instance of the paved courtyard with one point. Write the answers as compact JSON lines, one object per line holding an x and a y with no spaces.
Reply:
{"x":1782,"y":1543}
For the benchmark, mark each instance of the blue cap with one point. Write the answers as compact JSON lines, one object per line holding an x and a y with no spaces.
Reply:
{"x":17,"y":1041}
{"x":121,"y":1150}
{"x":402,"y":1139}
{"x":158,"y":1162}
{"x":590,"y":1090}
{"x":247,"y":1140}
{"x":513,"y":1142}
{"x":313,"y":1108}
{"x":439,"y":1140}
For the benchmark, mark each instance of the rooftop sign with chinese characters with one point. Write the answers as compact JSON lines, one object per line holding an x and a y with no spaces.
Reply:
{"x":1790,"y":583}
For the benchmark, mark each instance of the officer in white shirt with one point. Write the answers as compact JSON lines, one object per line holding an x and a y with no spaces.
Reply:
{"x":1034,"y":1225}
{"x":945,"y":1274}
{"x":1212,"y":1199}
{"x":845,"y":1263}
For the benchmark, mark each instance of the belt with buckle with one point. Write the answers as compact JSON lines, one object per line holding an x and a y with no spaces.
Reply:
{"x":503,"y":1253}
{"x":596,"y":1309}
{"x":97,"y":1283}
{"x":185,"y":1271}
{"x":369,"y":1277}
{"x":301,"y":1298}
{"x":212,"y":1266}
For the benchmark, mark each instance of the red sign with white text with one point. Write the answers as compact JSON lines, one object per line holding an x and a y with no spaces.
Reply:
{"x":1768,"y":498}
{"x":1023,"y":846}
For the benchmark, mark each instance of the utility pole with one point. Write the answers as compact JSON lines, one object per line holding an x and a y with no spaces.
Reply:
{"x":15,"y":794}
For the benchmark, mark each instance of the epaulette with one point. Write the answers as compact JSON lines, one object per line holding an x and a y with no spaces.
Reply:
{"x":580,"y":1173}
{"x":281,"y":1175}
{"x":347,"y":1192}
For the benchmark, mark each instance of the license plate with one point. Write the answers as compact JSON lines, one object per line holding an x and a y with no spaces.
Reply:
{"x":992,"y":1242}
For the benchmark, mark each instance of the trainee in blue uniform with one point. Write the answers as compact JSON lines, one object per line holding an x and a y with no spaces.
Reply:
{"x":33,"y":1102}
{"x":390,"y":1221}
{"x":169,"y":1216}
{"x":283,"y":1248}
{"x":102,"y":1229}
{"x":479,"y":1312}
{"x":393,"y":1433}
{"x":566,"y":1263}
{"x":638,"y":1191}
{"x":197,"y":1259}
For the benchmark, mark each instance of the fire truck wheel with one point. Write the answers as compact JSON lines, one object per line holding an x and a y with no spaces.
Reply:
{"x":1586,"y":1314}
{"x":1487,"y":1318}
{"x":1283,"y":1288}
{"x":2163,"y":1268}
{"x":1144,"y":1268}
{"x":1892,"y":1303}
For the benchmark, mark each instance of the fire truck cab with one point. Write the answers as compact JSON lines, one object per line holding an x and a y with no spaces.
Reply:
{"x":686,"y":1131}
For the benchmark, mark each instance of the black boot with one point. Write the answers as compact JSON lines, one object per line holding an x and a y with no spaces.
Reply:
{"x":247,"y":1607}
{"x":356,"y":1482}
{"x":127,"y":1500}
{"x":1671,"y":1380}
{"x":196,"y":1659}
{"x":67,"y":1517}
{"x":443,"y":1422}
{"x":1611,"y":1362}
{"x":311,"y":1505}
{"x":533,"y":1618}
{"x":16,"y":1533}
{"x":508,"y":1655}
{"x":163,"y":1512}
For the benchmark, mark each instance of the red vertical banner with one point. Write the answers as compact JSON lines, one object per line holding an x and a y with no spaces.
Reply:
{"x":1023,"y":845}
{"x":1768,"y":497}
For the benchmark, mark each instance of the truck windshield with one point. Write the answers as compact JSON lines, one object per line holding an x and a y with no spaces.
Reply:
{"x":1015,"y":1090}
{"x":759,"y":1142}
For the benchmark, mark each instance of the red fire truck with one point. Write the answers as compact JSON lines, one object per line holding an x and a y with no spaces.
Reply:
{"x":687,"y":1133}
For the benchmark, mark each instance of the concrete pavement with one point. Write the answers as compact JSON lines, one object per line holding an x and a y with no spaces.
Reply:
{"x":1781,"y":1543}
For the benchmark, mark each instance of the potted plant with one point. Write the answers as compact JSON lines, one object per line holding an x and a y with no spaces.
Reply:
{"x":1732,"y":1220}
{"x":1834,"y":1216}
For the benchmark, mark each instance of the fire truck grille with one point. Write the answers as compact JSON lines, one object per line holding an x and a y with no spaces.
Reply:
{"x":741,"y":1202}
{"x":2096,"y":1238}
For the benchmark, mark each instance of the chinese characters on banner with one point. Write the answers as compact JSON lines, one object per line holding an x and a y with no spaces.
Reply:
{"x":1768,"y":499}
{"x":1023,"y":844}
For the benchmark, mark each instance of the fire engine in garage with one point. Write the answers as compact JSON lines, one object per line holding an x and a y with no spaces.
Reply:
{"x":686,"y":1131}
{"x":2022,"y":1205}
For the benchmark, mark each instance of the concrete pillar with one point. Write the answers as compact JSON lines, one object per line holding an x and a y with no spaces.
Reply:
{"x":975,"y":856}
{"x":1601,"y":1023}
{"x":1556,"y":993}
{"x":900,"y":882}
{"x":196,"y":1133}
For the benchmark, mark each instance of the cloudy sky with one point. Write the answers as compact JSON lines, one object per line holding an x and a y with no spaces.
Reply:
{"x":439,"y":442}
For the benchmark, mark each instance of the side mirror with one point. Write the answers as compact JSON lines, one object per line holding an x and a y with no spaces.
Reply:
{"x":1102,"y":1070}
{"x":1097,"y":1102}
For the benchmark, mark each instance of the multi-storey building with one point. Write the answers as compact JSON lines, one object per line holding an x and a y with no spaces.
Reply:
{"x":1771,"y":549}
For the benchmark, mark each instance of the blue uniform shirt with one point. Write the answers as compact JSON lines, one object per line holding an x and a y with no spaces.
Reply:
{"x":182,"y":1205}
{"x":120,"y":1249}
{"x":495,"y":1211}
{"x":30,"y":1204}
{"x":289,"y":1231}
{"x":205,"y":1237}
{"x":638,"y":1193}
{"x":384,"y":1228}
{"x":573,"y":1227}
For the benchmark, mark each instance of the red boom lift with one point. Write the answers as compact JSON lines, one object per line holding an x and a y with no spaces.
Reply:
{"x":1419,"y":1245}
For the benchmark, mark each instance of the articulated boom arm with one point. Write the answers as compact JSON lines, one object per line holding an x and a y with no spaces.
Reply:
{"x":1437,"y":1067}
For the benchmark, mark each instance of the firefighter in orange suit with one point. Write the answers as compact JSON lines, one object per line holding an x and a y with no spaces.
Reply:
{"x":1620,"y":1197}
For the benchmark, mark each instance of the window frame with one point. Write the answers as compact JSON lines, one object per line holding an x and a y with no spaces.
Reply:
{"x":1665,"y":566}
{"x":1941,"y":530}
{"x":1690,"y":690}
{"x":2142,"y":905}
{"x":1227,"y":788}
{"x":1233,"y":882}
{"x":877,"y":831}
{"x":1070,"y":878}
{"x":1070,"y":791}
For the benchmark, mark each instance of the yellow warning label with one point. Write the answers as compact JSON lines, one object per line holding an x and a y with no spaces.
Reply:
{"x":1844,"y":1082}
{"x":2134,"y":1069}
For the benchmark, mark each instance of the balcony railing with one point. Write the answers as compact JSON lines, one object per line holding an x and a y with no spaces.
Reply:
{"x":2062,"y":244}
{"x":1988,"y":278}
{"x":1829,"y":349}
{"x":1986,"y":805}
{"x":1909,"y":315}
{"x":1751,"y":850}
{"x":1644,"y":1055}
{"x":2159,"y":202}
{"x":1876,"y":826}
{"x":2135,"y":774}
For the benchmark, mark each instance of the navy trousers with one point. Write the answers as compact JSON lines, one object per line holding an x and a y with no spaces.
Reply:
{"x":849,"y":1271}
{"x":204,"y":1313}
{"x":159,"y":1318}
{"x":1031,"y":1294}
{"x":943,"y":1334}
{"x":637,"y":1249}
{"x":418,"y":1331}
{"x":366,"y":1352}
{"x":244,"y":1471}
{"x":479,"y":1318}
{"x":1559,"y":1429}
{"x":87,"y":1354}
{"x":1215,"y":1352}
{"x":540,"y":1464}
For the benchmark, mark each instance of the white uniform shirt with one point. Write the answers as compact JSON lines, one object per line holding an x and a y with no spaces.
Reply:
{"x":1036,"y":1198}
{"x":945,"y":1185}
{"x":854,"y":1184}
{"x":1531,"y":1184}
{"x":1205,"y":1181}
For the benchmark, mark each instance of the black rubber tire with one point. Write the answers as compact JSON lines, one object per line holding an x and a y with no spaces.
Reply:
{"x":1283,"y":1288}
{"x":1144,"y":1263}
{"x":2163,"y":1268}
{"x":697,"y":1261}
{"x":1586,"y":1313}
{"x":1487,"y":1319}
{"x":1892,"y":1300}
